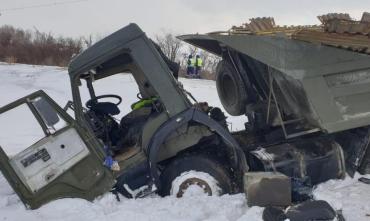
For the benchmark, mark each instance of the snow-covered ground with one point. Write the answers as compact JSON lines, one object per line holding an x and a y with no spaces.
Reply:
{"x":349,"y":195}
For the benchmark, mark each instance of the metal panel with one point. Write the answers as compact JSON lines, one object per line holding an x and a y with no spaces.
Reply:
{"x":87,"y":178}
{"x":104,"y":50}
{"x":60,"y":154}
{"x":309,"y":65}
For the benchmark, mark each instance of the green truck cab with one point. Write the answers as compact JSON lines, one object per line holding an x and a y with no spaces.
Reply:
{"x":93,"y":153}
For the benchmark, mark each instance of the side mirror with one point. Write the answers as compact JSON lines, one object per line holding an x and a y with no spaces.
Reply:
{"x":47,"y":112}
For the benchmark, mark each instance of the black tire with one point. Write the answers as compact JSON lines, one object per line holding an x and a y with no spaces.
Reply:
{"x":273,"y":214}
{"x":197,"y":163}
{"x":231,"y":89}
{"x":365,"y":164}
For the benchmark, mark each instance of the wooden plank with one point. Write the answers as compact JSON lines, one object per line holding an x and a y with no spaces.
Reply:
{"x":358,"y":43}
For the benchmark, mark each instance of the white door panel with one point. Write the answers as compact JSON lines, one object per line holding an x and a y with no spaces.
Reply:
{"x":41,"y":163}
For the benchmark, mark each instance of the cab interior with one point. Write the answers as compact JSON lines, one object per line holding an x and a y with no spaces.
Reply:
{"x":102,"y":110}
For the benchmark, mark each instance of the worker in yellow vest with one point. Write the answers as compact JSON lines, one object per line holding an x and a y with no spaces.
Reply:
{"x":191,"y":66}
{"x":198,"y":66}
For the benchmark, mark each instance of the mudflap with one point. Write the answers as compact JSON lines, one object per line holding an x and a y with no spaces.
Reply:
{"x":318,"y":159}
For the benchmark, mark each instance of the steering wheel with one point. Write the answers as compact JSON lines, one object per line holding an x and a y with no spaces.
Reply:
{"x":92,"y":102}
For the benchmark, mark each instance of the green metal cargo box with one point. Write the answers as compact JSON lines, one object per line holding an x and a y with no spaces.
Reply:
{"x":327,"y":86}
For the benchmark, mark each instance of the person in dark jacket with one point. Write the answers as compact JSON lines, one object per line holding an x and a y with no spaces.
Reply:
{"x":190,"y":66}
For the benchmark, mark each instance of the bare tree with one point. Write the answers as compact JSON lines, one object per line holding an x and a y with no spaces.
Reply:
{"x":192,"y":50}
{"x":210,"y":61}
{"x":88,"y":41}
{"x":170,"y":46}
{"x":178,"y":51}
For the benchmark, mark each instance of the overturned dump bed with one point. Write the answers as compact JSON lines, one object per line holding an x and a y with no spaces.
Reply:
{"x":327,"y":86}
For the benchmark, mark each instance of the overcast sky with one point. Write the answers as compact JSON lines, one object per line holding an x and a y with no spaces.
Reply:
{"x":179,"y":16}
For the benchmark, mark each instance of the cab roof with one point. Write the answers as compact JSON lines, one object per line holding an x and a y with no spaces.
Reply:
{"x":104,"y":50}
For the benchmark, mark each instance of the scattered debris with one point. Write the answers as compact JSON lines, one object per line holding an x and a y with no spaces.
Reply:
{"x":336,"y":29}
{"x":364,"y":180}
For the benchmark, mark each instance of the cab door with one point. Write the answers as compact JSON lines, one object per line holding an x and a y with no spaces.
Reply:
{"x":45,"y":155}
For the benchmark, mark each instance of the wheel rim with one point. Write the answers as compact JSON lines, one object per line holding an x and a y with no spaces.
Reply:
{"x":193,"y":183}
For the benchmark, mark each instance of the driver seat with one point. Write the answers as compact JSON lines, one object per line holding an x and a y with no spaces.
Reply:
{"x":105,"y":108}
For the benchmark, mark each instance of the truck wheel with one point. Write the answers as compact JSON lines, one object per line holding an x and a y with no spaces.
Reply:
{"x":231,"y":89}
{"x":195,"y":175}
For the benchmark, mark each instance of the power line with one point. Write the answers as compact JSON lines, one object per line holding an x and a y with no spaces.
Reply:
{"x":41,"y":5}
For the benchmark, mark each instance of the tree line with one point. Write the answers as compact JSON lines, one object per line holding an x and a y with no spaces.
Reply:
{"x":35,"y":47}
{"x":40,"y":48}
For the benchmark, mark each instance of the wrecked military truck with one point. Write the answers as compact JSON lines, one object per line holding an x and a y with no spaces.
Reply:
{"x":305,"y":90}
{"x":164,"y":136}
{"x":167,"y":133}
